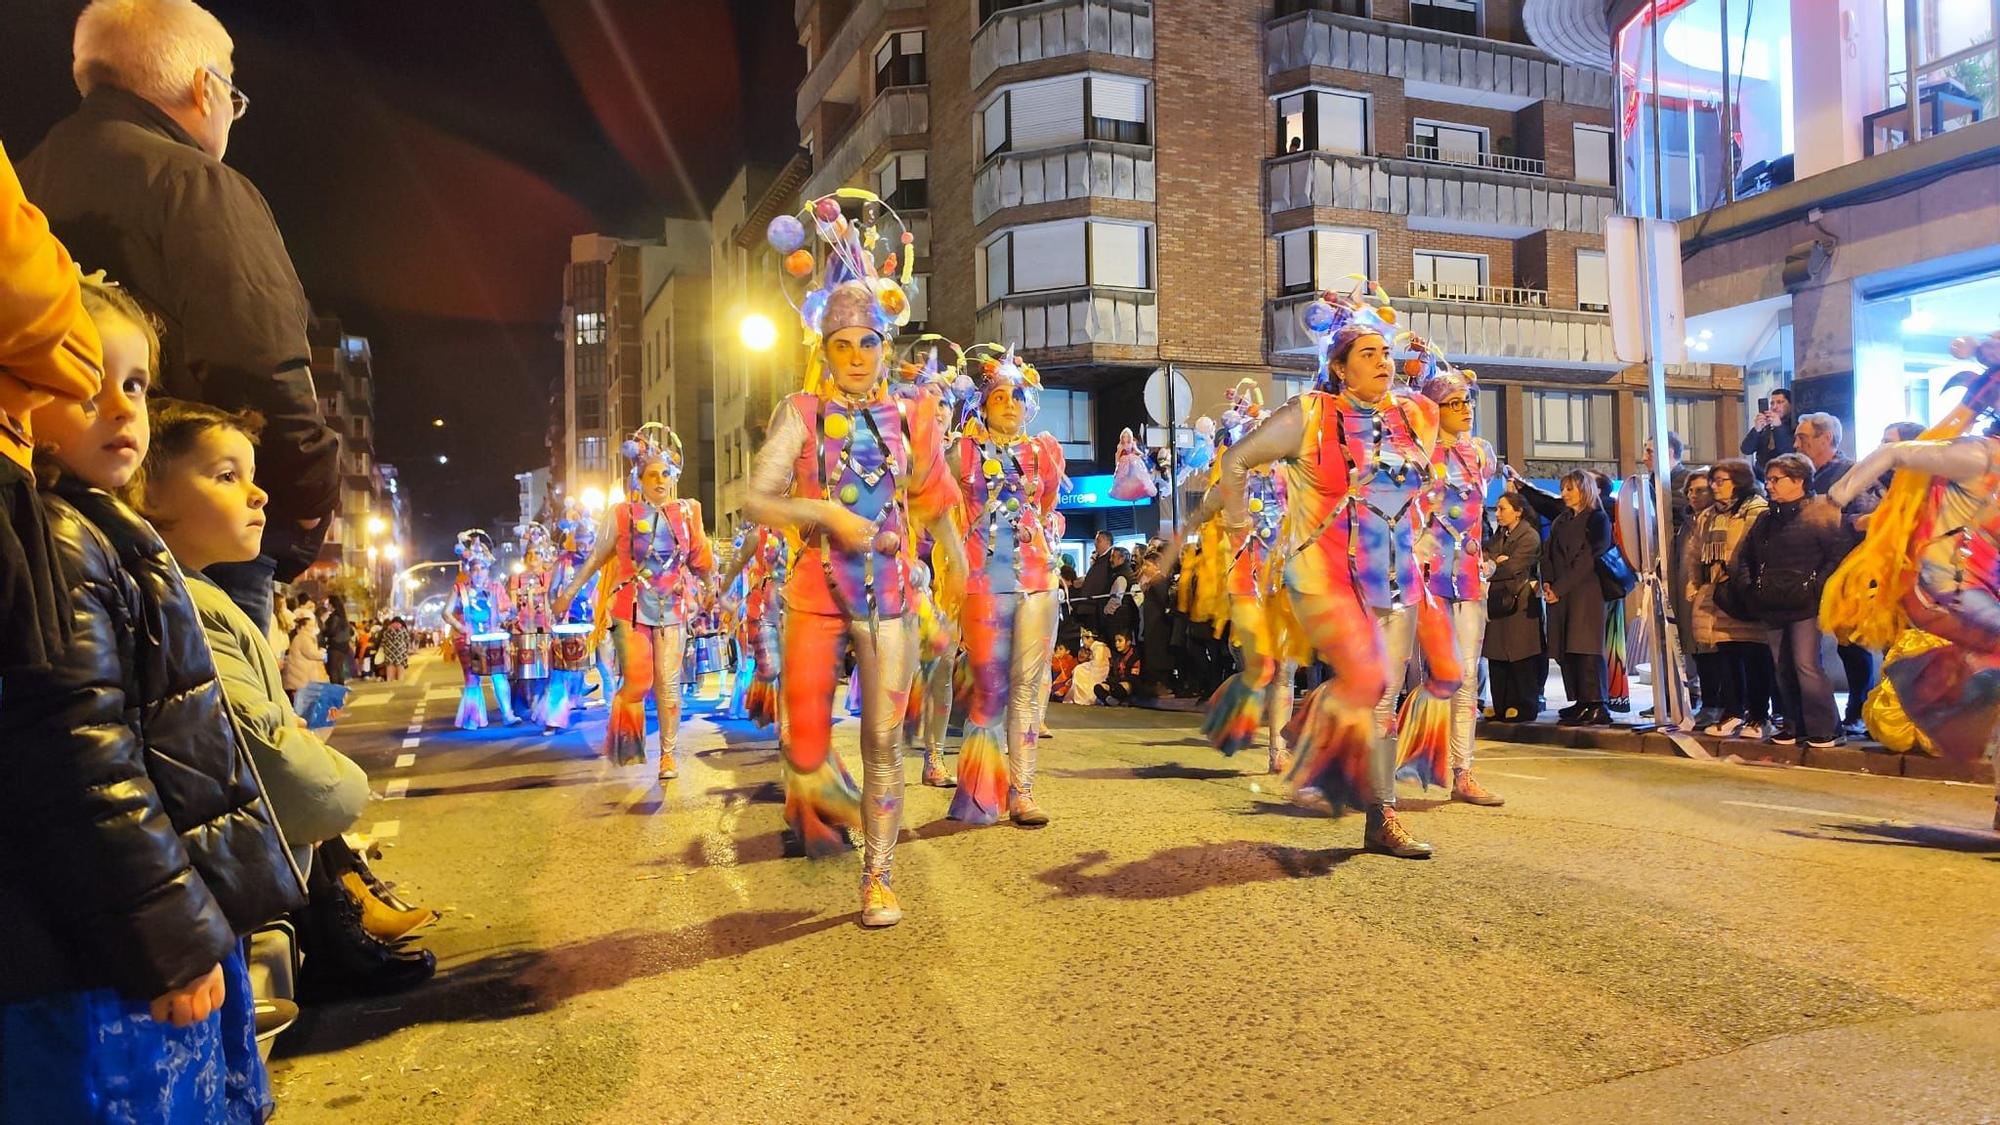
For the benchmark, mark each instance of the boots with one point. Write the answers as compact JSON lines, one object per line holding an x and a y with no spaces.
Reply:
{"x":1022,"y":809}
{"x":1465,"y":788}
{"x":341,"y":957}
{"x":343,"y":858}
{"x":879,"y":907}
{"x":1387,"y":836}
{"x":935,"y":775}
{"x":382,"y":921}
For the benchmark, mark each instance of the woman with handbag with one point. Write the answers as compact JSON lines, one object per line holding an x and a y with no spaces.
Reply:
{"x":1723,"y":616}
{"x":1517,"y":663}
{"x":1784,"y":563}
{"x":1575,"y":597}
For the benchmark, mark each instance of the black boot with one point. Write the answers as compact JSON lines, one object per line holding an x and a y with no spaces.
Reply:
{"x":1570,"y":712}
{"x":341,"y":959}
{"x":341,"y":858}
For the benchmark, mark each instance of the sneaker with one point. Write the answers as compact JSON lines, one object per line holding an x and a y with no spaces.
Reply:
{"x":1784,"y":736}
{"x":1855,"y":729}
{"x":1386,"y":835}
{"x":1826,"y":743}
{"x":1753,"y":731}
{"x":1022,"y":810}
{"x":935,"y":775}
{"x":1466,"y":788}
{"x":879,"y":907}
{"x":1727,"y":728}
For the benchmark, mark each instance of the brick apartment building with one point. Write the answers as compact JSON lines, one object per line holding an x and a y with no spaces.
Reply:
{"x":1118,"y":186}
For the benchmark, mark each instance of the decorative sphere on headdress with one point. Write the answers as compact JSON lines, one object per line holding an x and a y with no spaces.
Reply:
{"x":536,"y":543}
{"x":652,"y":442}
{"x":474,"y":549}
{"x":786,"y":234}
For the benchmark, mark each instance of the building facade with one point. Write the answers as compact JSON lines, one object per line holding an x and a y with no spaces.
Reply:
{"x":676,"y":384}
{"x":368,"y":526}
{"x":605,"y":286}
{"x":1124,"y":186}
{"x":1836,"y":231}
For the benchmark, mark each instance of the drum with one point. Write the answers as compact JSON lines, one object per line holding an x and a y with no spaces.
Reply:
{"x":531,"y":656}
{"x":485,"y":654}
{"x":569,"y":649}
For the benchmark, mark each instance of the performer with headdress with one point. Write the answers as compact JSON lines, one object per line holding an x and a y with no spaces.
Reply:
{"x":756,"y":578}
{"x":936,"y":384}
{"x":575,"y":645}
{"x":1009,"y":483}
{"x":659,"y":556}
{"x":1236,"y":583}
{"x":857,"y":474}
{"x":1363,"y":454}
{"x":479,"y":611}
{"x":532,"y":620}
{"x":1931,"y":565}
{"x":1456,"y":571}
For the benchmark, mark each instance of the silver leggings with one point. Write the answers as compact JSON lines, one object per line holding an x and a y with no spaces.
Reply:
{"x":1399,"y":644}
{"x":1468,"y":635}
{"x":1009,"y":640}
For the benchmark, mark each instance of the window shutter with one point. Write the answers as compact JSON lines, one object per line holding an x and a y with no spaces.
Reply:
{"x":1343,"y":122}
{"x":1046,"y":114}
{"x":912,"y":42}
{"x":913,"y":165}
{"x":995,"y":124}
{"x":1118,"y":256}
{"x":1295,"y":258}
{"x":1338,"y":253}
{"x":1593,"y":154}
{"x":1120,"y":99}
{"x":1048,"y":256}
{"x":1593,"y":279}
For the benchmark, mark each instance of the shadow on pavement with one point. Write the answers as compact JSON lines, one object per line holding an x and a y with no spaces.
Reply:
{"x":509,"y":785}
{"x":1972,"y":841}
{"x":517,"y":983}
{"x":758,"y":793}
{"x":1165,"y":771}
{"x":1192,"y":867}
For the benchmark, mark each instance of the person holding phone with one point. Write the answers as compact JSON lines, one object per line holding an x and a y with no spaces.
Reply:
{"x":1772,"y":430}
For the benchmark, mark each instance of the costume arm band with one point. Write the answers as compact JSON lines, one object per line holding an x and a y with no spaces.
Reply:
{"x":1954,"y":460}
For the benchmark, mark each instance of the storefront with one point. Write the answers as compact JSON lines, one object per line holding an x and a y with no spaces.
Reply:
{"x":1903,"y":328}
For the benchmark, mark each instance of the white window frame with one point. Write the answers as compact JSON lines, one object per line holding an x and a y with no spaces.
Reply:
{"x":984,"y":116}
{"x":1366,"y":99}
{"x":1574,"y":408}
{"x":1074,"y":449}
{"x":891,"y":39}
{"x":1485,"y":137}
{"x":1581,"y":253}
{"x":1316,"y":283}
{"x":896,"y":161}
{"x":1001,"y":241}
{"x":1477,"y":7}
{"x":1419,"y":252}
{"x":1576,"y":132}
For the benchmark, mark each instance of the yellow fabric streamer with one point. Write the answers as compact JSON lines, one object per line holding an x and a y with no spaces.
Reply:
{"x":1884,"y":713}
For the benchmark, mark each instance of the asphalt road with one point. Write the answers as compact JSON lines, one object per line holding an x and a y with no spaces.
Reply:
{"x":1632,"y":938}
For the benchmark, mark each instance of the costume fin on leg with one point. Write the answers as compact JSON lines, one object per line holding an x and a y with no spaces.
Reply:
{"x":472,"y":707}
{"x":625,"y":737}
{"x":1423,"y":744}
{"x":1235,"y":713}
{"x":822,"y":806}
{"x":1332,"y":742}
{"x":982,"y":776}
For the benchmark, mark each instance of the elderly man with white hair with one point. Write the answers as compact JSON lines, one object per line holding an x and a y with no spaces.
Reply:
{"x":133,"y":183}
{"x":1818,"y":437}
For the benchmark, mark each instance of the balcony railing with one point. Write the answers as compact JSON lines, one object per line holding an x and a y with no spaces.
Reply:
{"x":893,"y":113}
{"x":846,"y":46}
{"x":1499,"y":75}
{"x":1072,"y":318}
{"x":1479,"y":294}
{"x":1087,"y":169}
{"x":1062,"y":27}
{"x":1432,"y":154}
{"x":1477,"y":333}
{"x":1474,"y":200}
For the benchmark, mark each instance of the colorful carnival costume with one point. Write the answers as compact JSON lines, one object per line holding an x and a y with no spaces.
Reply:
{"x":1438,"y":734}
{"x":1237,"y":583}
{"x":1931,"y":562}
{"x":1009,"y":483}
{"x":856,"y":473}
{"x":576,"y":645}
{"x":1363,"y":455}
{"x":533,"y":618}
{"x":756,"y":589}
{"x":935,"y":384}
{"x":659,"y":557}
{"x":480,"y":612}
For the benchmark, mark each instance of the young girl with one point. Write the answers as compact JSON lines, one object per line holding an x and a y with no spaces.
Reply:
{"x":139,"y":846}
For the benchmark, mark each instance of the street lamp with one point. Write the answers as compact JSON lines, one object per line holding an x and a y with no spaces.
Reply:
{"x":757,"y":332}
{"x":593,"y":499}
{"x":376,"y":526}
{"x":393,"y":552}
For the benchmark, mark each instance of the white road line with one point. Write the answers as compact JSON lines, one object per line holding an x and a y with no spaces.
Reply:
{"x":386,"y":829}
{"x":1809,"y":812}
{"x":405,"y":761}
{"x":411,"y":743}
{"x":397,"y":789}
{"x":416,"y":728}
{"x":1556,"y":757}
{"x":1522,"y":776}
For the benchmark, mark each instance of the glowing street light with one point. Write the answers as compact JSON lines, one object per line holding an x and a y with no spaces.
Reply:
{"x":758,"y":333}
{"x":438,"y":422}
{"x":376,"y":526}
{"x":443,"y":460}
{"x":393,"y":552}
{"x":593,"y":499}
{"x":374,"y":554}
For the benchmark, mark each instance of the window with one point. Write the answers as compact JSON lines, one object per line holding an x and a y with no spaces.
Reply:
{"x":590,"y":453}
{"x":1322,"y":121}
{"x":920,"y":298}
{"x":590,"y":328}
{"x":1953,"y":54}
{"x":1441,"y":140}
{"x":1486,"y":417}
{"x":1060,"y":111}
{"x":1322,"y":258}
{"x":1447,"y":277}
{"x":1692,"y":418}
{"x":1066,"y":255}
{"x":1902,"y":347}
{"x":1068,"y":414}
{"x":1593,"y":282}
{"x":1569,"y":425}
{"x":1593,"y":153}
{"x":1285,"y":8}
{"x":990,"y":8}
{"x":1288,"y":385}
{"x":1461,"y":16}
{"x":899,"y":61}
{"x":902,"y":182}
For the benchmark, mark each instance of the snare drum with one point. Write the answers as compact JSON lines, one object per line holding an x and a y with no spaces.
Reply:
{"x":531,"y":656}
{"x":485,"y":654}
{"x":569,"y":650}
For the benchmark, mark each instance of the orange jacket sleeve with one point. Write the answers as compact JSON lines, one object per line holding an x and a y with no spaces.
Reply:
{"x":933,"y":489}
{"x":48,"y":345}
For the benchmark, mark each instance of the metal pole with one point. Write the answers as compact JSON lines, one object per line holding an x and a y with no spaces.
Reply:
{"x":1667,"y":678}
{"x":1173,"y":451}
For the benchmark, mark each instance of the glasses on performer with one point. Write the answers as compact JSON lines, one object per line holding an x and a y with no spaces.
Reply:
{"x":1455,"y":404}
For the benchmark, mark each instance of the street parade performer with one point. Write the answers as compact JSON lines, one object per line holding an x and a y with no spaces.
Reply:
{"x":856,"y":474}
{"x":1237,"y":582}
{"x":1009,"y":483}
{"x":1363,"y":454}
{"x":755,"y":578}
{"x":934,"y":385}
{"x":662,"y":557}
{"x":574,"y":649}
{"x":479,"y":612}
{"x":532,"y":620}
{"x":1931,"y":563}
{"x":1439,"y":735}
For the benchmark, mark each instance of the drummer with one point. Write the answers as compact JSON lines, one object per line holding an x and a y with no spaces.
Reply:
{"x":478,"y":613}
{"x":532,"y":621}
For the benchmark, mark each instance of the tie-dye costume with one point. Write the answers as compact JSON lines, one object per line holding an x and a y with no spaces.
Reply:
{"x":576,"y":536}
{"x":479,"y":606}
{"x":764,"y":579}
{"x":662,"y":553}
{"x":1008,"y":489}
{"x":1438,"y":736}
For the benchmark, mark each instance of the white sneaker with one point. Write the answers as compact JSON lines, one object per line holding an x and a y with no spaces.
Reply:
{"x":1727,"y":728}
{"x":1753,"y":731}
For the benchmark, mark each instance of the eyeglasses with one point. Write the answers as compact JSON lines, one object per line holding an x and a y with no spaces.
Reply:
{"x":239,"y":102}
{"x":1456,"y":404}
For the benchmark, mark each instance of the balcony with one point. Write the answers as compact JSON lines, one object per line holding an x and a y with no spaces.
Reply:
{"x":1069,"y":318}
{"x":1479,"y":294}
{"x":1440,"y":197}
{"x":1085,"y":170}
{"x":853,"y":38}
{"x":1474,"y":333}
{"x":1434,"y":65}
{"x":1062,"y":27}
{"x":894,"y":113}
{"x":1432,"y":154}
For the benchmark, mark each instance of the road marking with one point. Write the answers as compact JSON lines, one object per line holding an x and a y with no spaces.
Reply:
{"x":385,"y":830}
{"x":1809,"y":812}
{"x":1522,"y":776}
{"x":405,"y":761}
{"x":397,"y":789}
{"x":411,"y":743}
{"x":416,"y":728}
{"x":441,"y":693}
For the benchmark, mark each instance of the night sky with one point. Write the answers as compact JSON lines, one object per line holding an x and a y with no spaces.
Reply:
{"x":428,"y":163}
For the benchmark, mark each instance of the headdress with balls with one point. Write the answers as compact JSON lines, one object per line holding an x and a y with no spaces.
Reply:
{"x":858,"y":272}
{"x":1336,"y":315}
{"x":990,"y":368}
{"x":651,"y":442}
{"x":475,"y":548}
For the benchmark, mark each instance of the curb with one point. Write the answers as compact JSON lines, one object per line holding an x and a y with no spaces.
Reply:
{"x":1865,"y":757}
